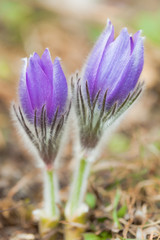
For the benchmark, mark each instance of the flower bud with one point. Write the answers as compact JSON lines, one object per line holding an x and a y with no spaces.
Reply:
{"x":44,"y":107}
{"x":108,"y":83}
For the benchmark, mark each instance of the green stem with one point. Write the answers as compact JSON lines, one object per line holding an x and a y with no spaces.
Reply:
{"x":50,"y":215}
{"x":79,"y":187}
{"x":115,"y":205}
{"x":51,"y":194}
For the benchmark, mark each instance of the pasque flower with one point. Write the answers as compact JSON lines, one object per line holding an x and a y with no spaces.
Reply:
{"x":43,"y":108}
{"x":106,"y":88}
{"x":108,"y":83}
{"x":42,"y":114}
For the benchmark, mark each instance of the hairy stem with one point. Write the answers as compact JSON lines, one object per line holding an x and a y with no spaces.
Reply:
{"x":51,"y":195}
{"x":78,"y":188}
{"x":49,"y":216}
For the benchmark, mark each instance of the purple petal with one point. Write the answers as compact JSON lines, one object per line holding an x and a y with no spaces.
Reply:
{"x":130,"y":76}
{"x":131,"y":44}
{"x":96,"y":55}
{"x":39,"y":86}
{"x":136,"y":36}
{"x":47,"y":65}
{"x":23,"y":92}
{"x":60,"y":85}
{"x":36,"y":58}
{"x":114,"y":61}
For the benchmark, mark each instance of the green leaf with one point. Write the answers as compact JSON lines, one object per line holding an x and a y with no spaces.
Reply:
{"x":91,"y":236}
{"x":90,"y":200}
{"x":102,"y":219}
{"x":105,"y":235}
{"x":122,"y":211}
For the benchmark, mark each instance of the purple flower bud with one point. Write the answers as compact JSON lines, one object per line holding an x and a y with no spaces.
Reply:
{"x":107,"y":86}
{"x":44,"y":104}
{"x":42,"y":83}
{"x":114,"y":65}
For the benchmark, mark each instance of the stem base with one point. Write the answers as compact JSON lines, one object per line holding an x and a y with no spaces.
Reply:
{"x":75,"y":229}
{"x":73,"y":233}
{"x":46,"y":226}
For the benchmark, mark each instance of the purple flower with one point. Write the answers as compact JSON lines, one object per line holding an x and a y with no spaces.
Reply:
{"x":114,"y":64}
{"x":108,"y":83}
{"x":44,"y":107}
{"x":42,"y":83}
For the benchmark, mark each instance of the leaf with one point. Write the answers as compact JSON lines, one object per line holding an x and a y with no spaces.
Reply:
{"x":105,"y":235}
{"x":91,"y":236}
{"x":122,"y":211}
{"x":102,"y":219}
{"x":115,"y":205}
{"x":90,"y":200}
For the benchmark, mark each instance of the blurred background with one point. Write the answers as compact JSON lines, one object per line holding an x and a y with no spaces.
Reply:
{"x":69,"y":29}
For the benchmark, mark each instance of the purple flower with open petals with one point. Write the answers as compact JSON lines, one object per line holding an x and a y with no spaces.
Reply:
{"x":44,"y":104}
{"x":108,"y":83}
